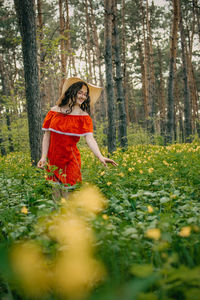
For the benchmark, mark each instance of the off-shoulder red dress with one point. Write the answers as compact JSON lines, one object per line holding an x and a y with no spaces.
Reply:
{"x":64,"y":160}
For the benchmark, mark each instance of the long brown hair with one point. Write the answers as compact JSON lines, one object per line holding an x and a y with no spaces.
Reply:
{"x":70,"y":96}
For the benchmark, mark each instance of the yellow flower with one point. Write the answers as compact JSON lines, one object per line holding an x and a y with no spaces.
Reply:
{"x":90,"y":199}
{"x":24,"y":210}
{"x":74,"y":276}
{"x":102,"y":173}
{"x":141,"y":172}
{"x":130,"y":169}
{"x":31,"y":269}
{"x":150,"y":209}
{"x":121,"y":174}
{"x":109,"y":183}
{"x":150,"y":170}
{"x":63,"y":200}
{"x":139,"y":161}
{"x":165,"y":163}
{"x":105,"y":217}
{"x":185,"y":231}
{"x":153,"y":233}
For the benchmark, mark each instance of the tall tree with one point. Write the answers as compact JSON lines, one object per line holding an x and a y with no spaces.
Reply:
{"x":187,"y":106}
{"x":101,"y":103}
{"x":88,"y":45}
{"x":173,"y":53}
{"x":109,"y":76}
{"x":122,"y":127}
{"x":124,"y":50}
{"x":26,"y":18}
{"x":62,"y":40}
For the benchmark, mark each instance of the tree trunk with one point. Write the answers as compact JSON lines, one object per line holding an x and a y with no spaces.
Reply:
{"x":122,"y":129}
{"x":173,"y":50}
{"x":161,"y":93}
{"x":145,"y":69}
{"x":144,"y":90}
{"x":151,"y":74}
{"x":102,"y":102}
{"x":88,"y":40}
{"x":42,"y":57}
{"x":187,"y":108}
{"x":124,"y":61}
{"x":62,"y":41}
{"x":6,"y":92}
{"x":26,"y":18}
{"x":109,"y":77}
{"x":196,"y":7}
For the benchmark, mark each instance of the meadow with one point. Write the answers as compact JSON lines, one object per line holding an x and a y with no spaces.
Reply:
{"x":146,"y":236}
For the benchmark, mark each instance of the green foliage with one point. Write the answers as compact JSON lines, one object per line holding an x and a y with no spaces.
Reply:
{"x":153,"y":187}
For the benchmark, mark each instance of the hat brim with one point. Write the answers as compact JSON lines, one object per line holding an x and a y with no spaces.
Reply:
{"x":94,"y":91}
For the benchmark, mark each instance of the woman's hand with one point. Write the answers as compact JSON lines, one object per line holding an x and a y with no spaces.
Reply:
{"x":105,"y":160}
{"x":42,"y":163}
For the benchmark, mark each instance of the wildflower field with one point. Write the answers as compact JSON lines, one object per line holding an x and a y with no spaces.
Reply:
{"x":130,"y":232}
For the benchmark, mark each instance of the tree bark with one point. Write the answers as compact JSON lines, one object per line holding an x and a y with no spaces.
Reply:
{"x":144,"y":90}
{"x":122,"y":127}
{"x":6,"y":92}
{"x":102,"y":102}
{"x":62,"y":41}
{"x":196,"y":7}
{"x":161,"y":93}
{"x":42,"y":57}
{"x":88,"y":40}
{"x":145,"y":68}
{"x":173,"y":51}
{"x":26,"y":17}
{"x":187,"y":108}
{"x":151,"y":74}
{"x":109,"y":77}
{"x":124,"y":62}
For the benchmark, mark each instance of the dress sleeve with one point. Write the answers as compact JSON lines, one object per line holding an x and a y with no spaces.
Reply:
{"x":47,"y":121}
{"x":87,"y":125}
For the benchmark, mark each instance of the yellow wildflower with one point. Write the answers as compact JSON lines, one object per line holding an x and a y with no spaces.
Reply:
{"x":63,"y":200}
{"x":102,"y":173}
{"x":185,"y":231}
{"x":165,"y":163}
{"x":153,"y":233}
{"x":109,"y":183}
{"x":31,"y":269}
{"x":150,"y":209}
{"x":141,"y":172}
{"x":105,"y":217}
{"x":24,"y":210}
{"x":150,"y":170}
{"x":121,"y":174}
{"x":90,"y":199}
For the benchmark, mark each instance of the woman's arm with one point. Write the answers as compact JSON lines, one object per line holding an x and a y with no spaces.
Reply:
{"x":92,"y":144}
{"x":45,"y":148}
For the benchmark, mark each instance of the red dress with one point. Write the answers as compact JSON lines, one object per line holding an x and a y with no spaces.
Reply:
{"x":64,"y":160}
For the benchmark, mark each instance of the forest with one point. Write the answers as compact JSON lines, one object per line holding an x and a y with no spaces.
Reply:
{"x":128,"y":232}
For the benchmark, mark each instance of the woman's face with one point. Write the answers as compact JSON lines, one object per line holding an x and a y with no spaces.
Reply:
{"x":82,"y":95}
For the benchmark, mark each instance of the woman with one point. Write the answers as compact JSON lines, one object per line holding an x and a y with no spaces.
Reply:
{"x":64,"y":124}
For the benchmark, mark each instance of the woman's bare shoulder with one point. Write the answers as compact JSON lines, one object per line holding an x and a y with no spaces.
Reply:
{"x":55,"y":108}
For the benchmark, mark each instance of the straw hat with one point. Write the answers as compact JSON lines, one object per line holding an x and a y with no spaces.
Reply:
{"x":94,"y":91}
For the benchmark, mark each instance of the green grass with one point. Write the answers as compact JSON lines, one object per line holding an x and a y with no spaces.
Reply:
{"x":152,"y":187}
